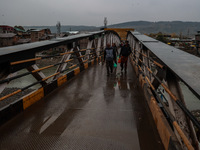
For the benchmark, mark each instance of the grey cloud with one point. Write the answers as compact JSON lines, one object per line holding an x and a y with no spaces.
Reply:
{"x":92,"y":12}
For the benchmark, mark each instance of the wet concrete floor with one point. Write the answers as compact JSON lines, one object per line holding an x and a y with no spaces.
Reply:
{"x":92,"y":111}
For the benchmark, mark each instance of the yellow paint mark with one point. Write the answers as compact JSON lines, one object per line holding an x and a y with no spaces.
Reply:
{"x":76,"y":71}
{"x":86,"y":65}
{"x":141,"y":80}
{"x":62,"y":80}
{"x":183,"y":136}
{"x":33,"y":97}
{"x":159,"y":120}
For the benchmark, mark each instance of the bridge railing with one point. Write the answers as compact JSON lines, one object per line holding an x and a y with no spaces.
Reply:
{"x":78,"y":53}
{"x":161,"y":78}
{"x":71,"y":64}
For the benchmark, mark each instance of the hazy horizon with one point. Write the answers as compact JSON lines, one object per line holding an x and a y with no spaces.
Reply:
{"x":102,"y":25}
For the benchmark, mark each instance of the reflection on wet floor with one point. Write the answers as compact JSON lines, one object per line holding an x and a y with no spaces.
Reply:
{"x":92,"y":111}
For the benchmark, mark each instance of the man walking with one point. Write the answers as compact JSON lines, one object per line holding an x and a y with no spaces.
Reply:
{"x":115,"y":51}
{"x":124,"y":53}
{"x":109,"y":57}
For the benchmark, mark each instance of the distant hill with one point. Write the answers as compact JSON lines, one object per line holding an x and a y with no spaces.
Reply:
{"x":162,"y":26}
{"x":141,"y":26}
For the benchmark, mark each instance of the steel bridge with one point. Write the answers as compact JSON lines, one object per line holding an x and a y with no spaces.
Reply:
{"x":78,"y":107}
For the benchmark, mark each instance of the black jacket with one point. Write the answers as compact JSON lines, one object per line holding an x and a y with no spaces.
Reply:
{"x":125,"y":50}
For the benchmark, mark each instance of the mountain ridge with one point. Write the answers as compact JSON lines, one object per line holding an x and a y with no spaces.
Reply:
{"x":178,"y":27}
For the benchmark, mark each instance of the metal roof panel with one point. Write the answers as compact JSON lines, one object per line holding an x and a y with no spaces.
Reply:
{"x":35,"y":45}
{"x":183,"y":64}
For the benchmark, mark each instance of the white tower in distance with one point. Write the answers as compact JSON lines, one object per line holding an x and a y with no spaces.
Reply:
{"x":58,"y":25}
{"x":105,"y":22}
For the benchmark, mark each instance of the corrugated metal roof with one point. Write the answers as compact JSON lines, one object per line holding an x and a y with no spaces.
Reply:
{"x":18,"y":29}
{"x":184,"y":65}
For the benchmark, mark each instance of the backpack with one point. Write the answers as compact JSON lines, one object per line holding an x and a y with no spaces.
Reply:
{"x":109,"y":54}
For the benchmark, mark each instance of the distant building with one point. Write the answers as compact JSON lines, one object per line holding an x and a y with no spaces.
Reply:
{"x":40,"y":34}
{"x":8,"y":39}
{"x":197,"y":39}
{"x":197,"y":36}
{"x":72,"y":32}
{"x":7,"y":29}
{"x":174,"y":39}
{"x":68,"y":33}
{"x":19,"y":31}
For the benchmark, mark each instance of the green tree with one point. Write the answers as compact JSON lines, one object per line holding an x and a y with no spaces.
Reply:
{"x":160,"y":37}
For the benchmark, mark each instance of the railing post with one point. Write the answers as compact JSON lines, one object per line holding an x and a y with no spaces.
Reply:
{"x":64,"y":58}
{"x":76,"y":52}
{"x":95,"y":47}
{"x":99,"y":46}
{"x":89,"y":46}
{"x":105,"y":41}
{"x":37,"y":75}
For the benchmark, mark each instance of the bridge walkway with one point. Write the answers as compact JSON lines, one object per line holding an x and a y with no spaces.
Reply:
{"x":92,"y":111}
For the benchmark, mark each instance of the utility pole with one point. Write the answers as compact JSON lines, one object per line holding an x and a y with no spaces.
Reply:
{"x":105,"y":22}
{"x":58,"y":25}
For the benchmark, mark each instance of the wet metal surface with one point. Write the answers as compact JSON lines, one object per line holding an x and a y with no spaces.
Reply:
{"x":183,"y":64}
{"x":43,"y":44}
{"x":92,"y":111}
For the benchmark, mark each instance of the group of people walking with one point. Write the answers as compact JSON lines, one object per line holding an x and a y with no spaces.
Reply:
{"x":111,"y":53}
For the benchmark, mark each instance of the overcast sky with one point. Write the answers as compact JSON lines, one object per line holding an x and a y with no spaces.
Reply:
{"x":92,"y":12}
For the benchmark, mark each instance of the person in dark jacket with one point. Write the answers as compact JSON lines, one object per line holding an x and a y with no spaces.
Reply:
{"x":109,"y":57}
{"x":121,"y":44}
{"x":124,"y":53}
{"x":115,"y":51}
